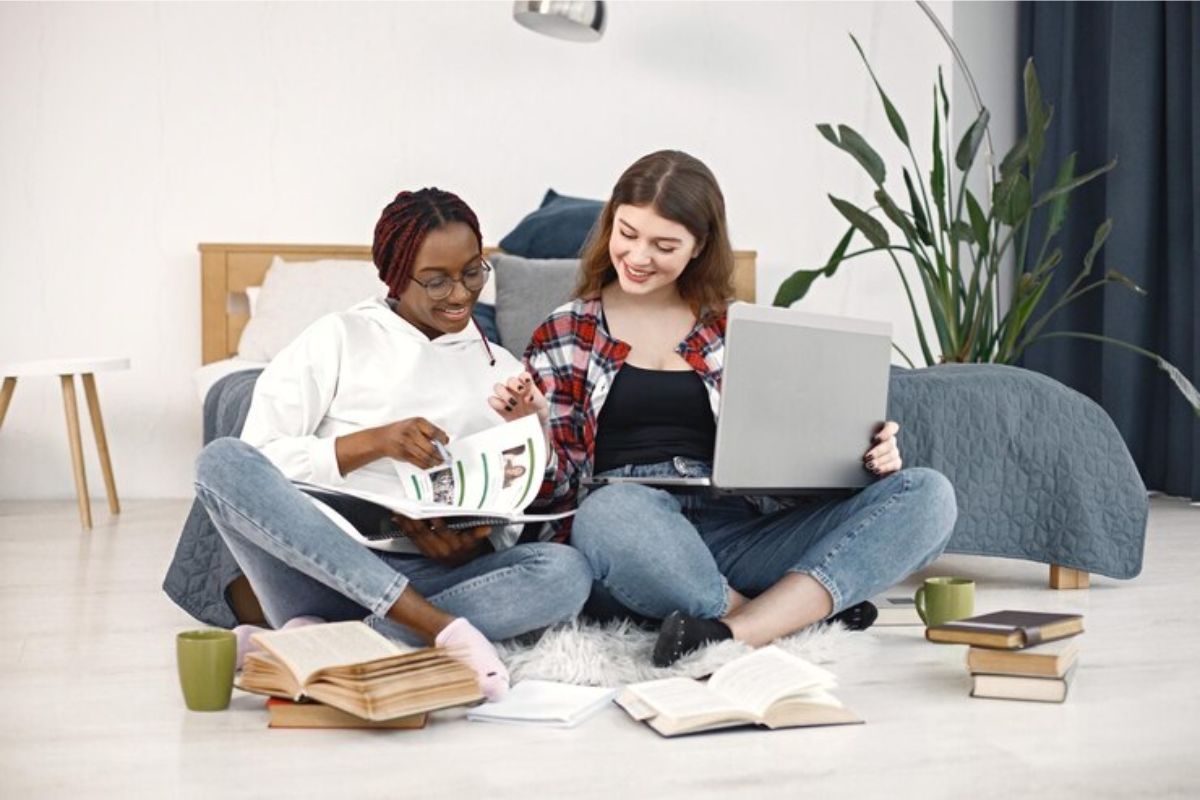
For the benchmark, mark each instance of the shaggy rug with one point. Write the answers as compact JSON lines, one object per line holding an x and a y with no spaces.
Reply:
{"x":618,"y":653}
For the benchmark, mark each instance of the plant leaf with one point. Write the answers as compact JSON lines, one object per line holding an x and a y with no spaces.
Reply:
{"x":796,"y":285}
{"x":1124,"y":280}
{"x":945,"y":97}
{"x":968,"y":147}
{"x":1014,"y":159}
{"x":1050,"y":262}
{"x":827,"y":131}
{"x":918,"y":212}
{"x":897,"y":122}
{"x":1058,"y":207}
{"x":1185,"y":387}
{"x":979,"y":222}
{"x":962,"y":232}
{"x":1035,"y":115}
{"x":1012,"y":199}
{"x":1098,"y":239}
{"x":893,"y":212}
{"x":937,"y":178}
{"x":869,"y":226}
{"x":854,"y":144}
{"x":839,"y":252}
{"x":1074,"y":183}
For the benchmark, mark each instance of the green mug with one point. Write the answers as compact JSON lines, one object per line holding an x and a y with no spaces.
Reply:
{"x":206,"y":660}
{"x":941,"y":600}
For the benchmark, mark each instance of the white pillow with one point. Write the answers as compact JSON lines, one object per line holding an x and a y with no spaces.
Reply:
{"x":252,"y":297}
{"x":294,"y":294}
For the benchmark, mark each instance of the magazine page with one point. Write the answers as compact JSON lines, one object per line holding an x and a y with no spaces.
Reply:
{"x":495,"y":471}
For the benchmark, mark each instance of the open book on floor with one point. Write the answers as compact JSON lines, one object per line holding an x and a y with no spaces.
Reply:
{"x":768,"y":687}
{"x":349,"y":666}
{"x":490,"y":478}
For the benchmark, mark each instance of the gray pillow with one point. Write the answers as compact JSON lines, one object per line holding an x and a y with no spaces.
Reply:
{"x":527,"y":290}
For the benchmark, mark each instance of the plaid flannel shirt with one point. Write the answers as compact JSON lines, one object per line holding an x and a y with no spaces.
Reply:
{"x":573,"y":360}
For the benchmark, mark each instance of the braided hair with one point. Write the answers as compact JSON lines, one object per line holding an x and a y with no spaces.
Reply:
{"x":402,"y":228}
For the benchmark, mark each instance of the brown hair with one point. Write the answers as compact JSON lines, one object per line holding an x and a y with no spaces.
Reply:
{"x":680,"y":188}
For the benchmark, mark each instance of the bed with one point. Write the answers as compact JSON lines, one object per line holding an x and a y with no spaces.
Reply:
{"x":1019,"y":489}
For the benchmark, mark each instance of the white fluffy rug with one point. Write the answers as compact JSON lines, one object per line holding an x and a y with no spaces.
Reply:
{"x":619,"y":653}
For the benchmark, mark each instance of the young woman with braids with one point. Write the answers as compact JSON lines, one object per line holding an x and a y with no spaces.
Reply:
{"x":632,"y":372}
{"x":384,"y":380}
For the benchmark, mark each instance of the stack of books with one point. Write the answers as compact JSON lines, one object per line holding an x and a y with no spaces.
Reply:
{"x":1017,"y":655}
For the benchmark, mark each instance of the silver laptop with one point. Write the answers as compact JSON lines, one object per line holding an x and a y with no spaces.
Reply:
{"x":801,"y":397}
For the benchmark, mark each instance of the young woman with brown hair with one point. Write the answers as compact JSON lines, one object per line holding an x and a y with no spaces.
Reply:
{"x":631,"y":372}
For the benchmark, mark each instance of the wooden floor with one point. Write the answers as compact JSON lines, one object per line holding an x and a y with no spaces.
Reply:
{"x":90,"y":706}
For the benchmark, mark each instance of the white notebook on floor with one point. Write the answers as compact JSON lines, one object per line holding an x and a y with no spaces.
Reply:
{"x":544,"y":704}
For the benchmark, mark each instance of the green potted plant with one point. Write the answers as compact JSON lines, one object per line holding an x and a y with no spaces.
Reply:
{"x":958,"y":244}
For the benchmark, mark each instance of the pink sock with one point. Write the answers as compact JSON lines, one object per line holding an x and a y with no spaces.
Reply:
{"x":300,"y":622}
{"x":472,"y":648}
{"x":244,"y":632}
{"x":244,"y":645}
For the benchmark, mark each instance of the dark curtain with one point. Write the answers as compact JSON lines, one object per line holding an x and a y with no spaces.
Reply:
{"x":1124,"y":80}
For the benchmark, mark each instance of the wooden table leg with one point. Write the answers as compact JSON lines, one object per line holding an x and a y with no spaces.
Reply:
{"x":72,"y":411}
{"x":10,"y":386}
{"x":110,"y":483}
{"x":1067,"y":578}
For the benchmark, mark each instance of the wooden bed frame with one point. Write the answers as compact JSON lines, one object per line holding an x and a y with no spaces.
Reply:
{"x":227,"y":270}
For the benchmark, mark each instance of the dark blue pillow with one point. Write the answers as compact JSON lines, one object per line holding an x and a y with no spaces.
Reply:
{"x":485,"y":315}
{"x":558,"y":229}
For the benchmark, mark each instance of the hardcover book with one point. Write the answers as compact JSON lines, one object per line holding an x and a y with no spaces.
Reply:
{"x":1007,"y":630}
{"x":283,"y":713}
{"x":1015,"y":687}
{"x":1049,"y":660}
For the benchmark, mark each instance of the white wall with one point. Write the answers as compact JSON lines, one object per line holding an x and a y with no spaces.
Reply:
{"x":129,"y":133}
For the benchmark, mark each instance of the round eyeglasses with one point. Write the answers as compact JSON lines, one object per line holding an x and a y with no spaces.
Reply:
{"x":472,"y":278}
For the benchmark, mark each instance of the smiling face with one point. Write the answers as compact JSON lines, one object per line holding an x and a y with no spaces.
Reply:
{"x":649,"y":252}
{"x":446,"y":252}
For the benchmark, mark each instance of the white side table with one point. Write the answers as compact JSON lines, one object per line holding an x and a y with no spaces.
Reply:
{"x":67,"y":369}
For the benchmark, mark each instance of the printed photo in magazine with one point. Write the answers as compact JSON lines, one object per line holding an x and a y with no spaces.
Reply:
{"x":489,"y":478}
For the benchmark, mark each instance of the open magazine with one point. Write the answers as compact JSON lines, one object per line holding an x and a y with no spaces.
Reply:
{"x":489,"y":478}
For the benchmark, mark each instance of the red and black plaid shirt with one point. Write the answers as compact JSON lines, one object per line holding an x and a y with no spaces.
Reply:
{"x":574,"y":360}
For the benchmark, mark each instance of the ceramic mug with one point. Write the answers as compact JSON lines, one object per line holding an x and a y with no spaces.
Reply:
{"x":941,"y":600}
{"x":206,"y":660}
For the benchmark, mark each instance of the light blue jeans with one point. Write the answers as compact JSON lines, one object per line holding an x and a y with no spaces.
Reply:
{"x":655,"y":551}
{"x":300,"y":563}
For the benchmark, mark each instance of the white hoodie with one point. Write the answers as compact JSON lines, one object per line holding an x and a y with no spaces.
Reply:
{"x":362,"y":368}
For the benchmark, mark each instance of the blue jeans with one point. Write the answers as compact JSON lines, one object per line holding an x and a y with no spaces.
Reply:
{"x":300,"y":563}
{"x":655,"y":551}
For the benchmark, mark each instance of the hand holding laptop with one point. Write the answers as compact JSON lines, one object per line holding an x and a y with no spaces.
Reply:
{"x":884,"y":457}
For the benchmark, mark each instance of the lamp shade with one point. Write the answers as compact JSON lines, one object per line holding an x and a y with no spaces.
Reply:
{"x":573,"y":20}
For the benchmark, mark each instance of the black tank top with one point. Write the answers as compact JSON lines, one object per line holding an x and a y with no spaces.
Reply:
{"x":654,"y":415}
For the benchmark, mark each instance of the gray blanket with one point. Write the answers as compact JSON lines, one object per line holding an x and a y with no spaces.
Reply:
{"x":1040,"y":472}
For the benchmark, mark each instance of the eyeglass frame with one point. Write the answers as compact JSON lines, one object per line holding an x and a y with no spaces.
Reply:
{"x":485,"y":269}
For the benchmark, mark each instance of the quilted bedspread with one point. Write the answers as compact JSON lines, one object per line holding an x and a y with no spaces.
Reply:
{"x":1040,"y":473}
{"x":1039,"y":470}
